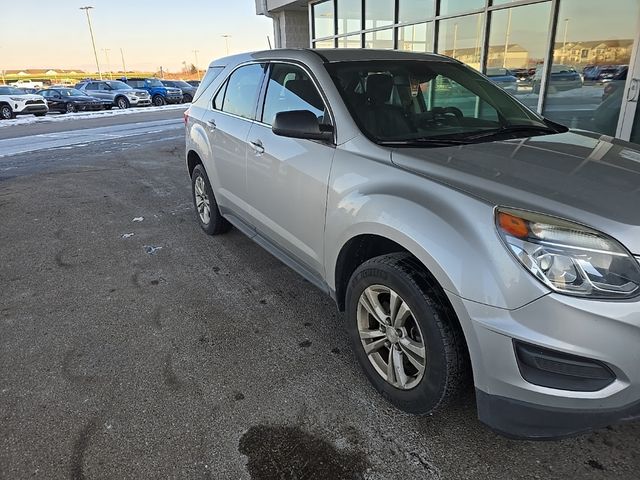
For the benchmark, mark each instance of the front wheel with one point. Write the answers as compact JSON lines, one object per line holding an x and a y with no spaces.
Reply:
{"x":6,"y":113}
{"x":404,"y":334}
{"x":71,"y":108}
{"x":122,"y":103}
{"x":209,"y":216}
{"x":187,"y":98}
{"x":158,"y":100}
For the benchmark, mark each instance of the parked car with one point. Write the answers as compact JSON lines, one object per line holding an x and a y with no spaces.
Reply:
{"x":160,"y":95}
{"x":562,"y":78}
{"x":524,"y":76}
{"x":194,"y":83}
{"x":504,"y":78}
{"x":614,"y":83}
{"x":188,"y":91}
{"x":27,"y":84}
{"x":69,"y":100}
{"x":29,"y":90}
{"x":14,"y":101}
{"x":486,"y":240}
{"x":115,"y":93}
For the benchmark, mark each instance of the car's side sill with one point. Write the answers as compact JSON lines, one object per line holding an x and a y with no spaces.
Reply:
{"x":285,"y":258}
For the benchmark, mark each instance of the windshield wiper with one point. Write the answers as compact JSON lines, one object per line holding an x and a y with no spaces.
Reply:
{"x":434,"y":141}
{"x":512,"y":129}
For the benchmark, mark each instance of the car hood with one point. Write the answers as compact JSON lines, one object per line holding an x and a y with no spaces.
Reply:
{"x":582,"y":176}
{"x":29,"y":96}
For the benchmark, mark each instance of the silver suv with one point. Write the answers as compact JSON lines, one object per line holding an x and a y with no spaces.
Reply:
{"x":119,"y":93}
{"x":462,"y":235}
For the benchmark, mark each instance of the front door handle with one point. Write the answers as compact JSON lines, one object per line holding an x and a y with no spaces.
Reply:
{"x":257,"y":146}
{"x":212,"y":124}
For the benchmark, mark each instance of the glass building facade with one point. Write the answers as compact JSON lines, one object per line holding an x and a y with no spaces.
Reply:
{"x":575,"y":61}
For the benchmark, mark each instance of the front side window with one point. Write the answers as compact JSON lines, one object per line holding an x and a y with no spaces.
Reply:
{"x":239,"y":95}
{"x":430,"y":102}
{"x":290,"y":88}
{"x":115,"y":85}
{"x":154,"y":82}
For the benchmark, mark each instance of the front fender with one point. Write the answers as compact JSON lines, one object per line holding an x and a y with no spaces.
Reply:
{"x":451,"y":233}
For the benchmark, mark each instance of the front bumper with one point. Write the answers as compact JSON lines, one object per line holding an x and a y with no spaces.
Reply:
{"x":30,"y":109}
{"x":140,"y":102}
{"x":173,"y":99}
{"x":606,"y":332}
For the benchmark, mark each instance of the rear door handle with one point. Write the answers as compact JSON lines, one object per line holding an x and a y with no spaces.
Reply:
{"x":257,"y":146}
{"x":212,"y":124}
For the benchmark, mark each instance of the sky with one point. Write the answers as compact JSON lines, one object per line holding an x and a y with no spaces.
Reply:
{"x":151,"y":33}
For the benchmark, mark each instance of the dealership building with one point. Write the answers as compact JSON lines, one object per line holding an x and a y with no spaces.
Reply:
{"x":575,"y":61}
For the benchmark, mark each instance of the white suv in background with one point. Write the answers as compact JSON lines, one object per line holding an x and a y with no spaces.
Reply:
{"x":15,"y":102}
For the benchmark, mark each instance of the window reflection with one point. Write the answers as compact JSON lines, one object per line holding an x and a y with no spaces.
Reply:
{"x":461,"y":38}
{"x":323,"y":19}
{"x":349,"y":16}
{"x":413,"y":10}
{"x":590,"y":61}
{"x":382,"y":39}
{"x":515,"y":49}
{"x":351,"y":41}
{"x":448,"y":7}
{"x":416,"y":38}
{"x":378,"y":14}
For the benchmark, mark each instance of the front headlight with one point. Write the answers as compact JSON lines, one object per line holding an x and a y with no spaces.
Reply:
{"x":17,"y":99}
{"x":569,"y":258}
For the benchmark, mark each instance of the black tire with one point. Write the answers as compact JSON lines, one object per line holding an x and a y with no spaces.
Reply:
{"x":71,"y":108}
{"x":217,"y":224}
{"x":158,"y":100}
{"x":6,"y":112}
{"x":447,"y":369}
{"x":123,"y":103}
{"x":187,"y":98}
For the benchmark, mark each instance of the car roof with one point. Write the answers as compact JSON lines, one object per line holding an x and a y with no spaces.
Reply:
{"x":331,"y":55}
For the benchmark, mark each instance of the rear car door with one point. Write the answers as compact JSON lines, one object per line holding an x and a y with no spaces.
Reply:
{"x":287,"y":177}
{"x":228,"y":122}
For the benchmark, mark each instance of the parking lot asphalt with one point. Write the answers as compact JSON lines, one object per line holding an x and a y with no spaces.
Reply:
{"x":133,"y":346}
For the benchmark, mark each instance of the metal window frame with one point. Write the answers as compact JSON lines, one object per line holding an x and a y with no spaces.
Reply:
{"x":626,"y":116}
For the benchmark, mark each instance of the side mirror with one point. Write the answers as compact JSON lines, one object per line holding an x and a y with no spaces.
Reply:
{"x":301,"y":124}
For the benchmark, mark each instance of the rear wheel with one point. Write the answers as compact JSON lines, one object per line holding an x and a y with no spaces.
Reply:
{"x":158,"y":100}
{"x":71,"y":108}
{"x":209,"y":216}
{"x":187,"y":98}
{"x":122,"y":103}
{"x":405,"y":335}
{"x":6,"y":113}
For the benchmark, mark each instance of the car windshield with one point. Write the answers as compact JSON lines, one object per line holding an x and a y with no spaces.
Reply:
{"x":413,"y":101}
{"x":71,"y":92}
{"x":11,"y":91}
{"x":117,"y":85}
{"x":154,"y":82}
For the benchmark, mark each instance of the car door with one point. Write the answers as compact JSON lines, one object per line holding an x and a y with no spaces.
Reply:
{"x":287,"y":177}
{"x":228,"y":122}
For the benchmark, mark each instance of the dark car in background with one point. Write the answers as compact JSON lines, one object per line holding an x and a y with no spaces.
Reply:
{"x":194,"y":83}
{"x":562,"y":78}
{"x":524,"y":76}
{"x":115,"y":93}
{"x":615,"y":83}
{"x":504,"y":78}
{"x":160,"y":95}
{"x":68,"y":100}
{"x":188,"y":91}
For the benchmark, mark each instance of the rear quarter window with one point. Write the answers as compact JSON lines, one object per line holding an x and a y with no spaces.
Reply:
{"x":210,"y":76}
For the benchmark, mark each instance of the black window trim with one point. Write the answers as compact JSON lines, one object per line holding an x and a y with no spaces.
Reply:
{"x":226,"y":81}
{"x":306,"y":69}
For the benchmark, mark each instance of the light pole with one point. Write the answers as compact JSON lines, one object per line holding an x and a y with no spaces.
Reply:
{"x":455,"y":39}
{"x":93,"y":42}
{"x":106,"y":55}
{"x":226,"y":41}
{"x":506,"y":40}
{"x":124,"y":68}
{"x":564,"y":41}
{"x":195,"y":52}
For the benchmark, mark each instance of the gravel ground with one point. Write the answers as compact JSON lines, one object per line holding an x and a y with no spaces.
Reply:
{"x":204,"y":357}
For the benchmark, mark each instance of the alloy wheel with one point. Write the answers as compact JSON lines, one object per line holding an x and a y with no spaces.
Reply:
{"x":391,"y":337}
{"x":202,"y":201}
{"x":6,"y":112}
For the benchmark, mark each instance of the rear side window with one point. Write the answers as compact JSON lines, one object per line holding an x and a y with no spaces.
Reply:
{"x":290,"y":88}
{"x":208,"y":79}
{"x":91,"y":86}
{"x":241,"y":91}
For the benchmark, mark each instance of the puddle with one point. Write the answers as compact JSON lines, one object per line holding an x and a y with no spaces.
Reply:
{"x":151,"y":249}
{"x":279,"y":452}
